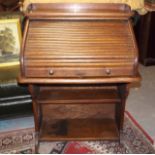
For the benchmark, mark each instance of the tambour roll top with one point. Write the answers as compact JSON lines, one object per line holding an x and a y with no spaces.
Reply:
{"x":78,"y":43}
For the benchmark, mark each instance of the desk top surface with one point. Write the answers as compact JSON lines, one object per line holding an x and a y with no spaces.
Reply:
{"x":134,"y":4}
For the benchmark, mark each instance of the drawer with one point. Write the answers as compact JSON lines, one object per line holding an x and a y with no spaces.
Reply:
{"x":60,"y":72}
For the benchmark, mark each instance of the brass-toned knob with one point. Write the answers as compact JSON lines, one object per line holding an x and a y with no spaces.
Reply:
{"x":108,"y":71}
{"x":51,"y":72}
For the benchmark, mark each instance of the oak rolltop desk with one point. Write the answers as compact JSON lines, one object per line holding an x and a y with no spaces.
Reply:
{"x":78,"y":60}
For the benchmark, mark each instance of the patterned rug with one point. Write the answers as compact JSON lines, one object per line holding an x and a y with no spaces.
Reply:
{"x":133,"y":140}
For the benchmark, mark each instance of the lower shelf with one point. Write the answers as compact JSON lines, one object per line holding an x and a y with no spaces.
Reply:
{"x":79,"y":129}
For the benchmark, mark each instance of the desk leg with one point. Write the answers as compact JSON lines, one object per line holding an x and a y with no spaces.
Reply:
{"x":123,"y":90}
{"x":37,"y":114}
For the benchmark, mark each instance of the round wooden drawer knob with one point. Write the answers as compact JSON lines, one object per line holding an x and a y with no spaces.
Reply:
{"x":51,"y":72}
{"x":108,"y":71}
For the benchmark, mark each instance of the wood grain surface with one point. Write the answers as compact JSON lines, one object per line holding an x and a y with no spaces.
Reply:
{"x":79,"y":60}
